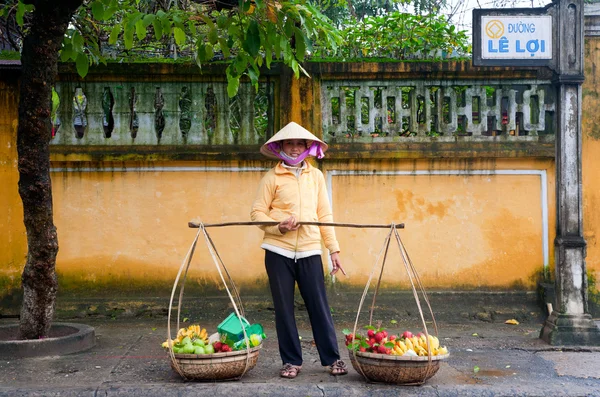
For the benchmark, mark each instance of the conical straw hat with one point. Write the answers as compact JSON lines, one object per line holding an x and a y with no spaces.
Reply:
{"x":291,"y":131}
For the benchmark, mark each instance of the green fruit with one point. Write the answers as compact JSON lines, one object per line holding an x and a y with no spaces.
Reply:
{"x":209,"y":349}
{"x":177,"y":350}
{"x":199,"y":350}
{"x":255,"y":340}
{"x":188,"y":349}
{"x":198,"y":342}
{"x":186,"y":340}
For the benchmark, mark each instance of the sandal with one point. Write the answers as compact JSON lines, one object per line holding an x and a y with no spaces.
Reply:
{"x":290,"y":371}
{"x":338,"y":368}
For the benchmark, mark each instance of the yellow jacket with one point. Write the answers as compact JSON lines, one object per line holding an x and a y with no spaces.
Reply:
{"x":281,"y":195}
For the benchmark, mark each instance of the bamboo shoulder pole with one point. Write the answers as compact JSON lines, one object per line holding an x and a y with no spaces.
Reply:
{"x":196,"y":224}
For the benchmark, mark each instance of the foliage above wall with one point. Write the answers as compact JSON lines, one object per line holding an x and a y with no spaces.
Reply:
{"x":401,"y":36}
{"x":247,"y":35}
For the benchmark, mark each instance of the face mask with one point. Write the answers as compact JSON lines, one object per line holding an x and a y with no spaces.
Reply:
{"x":314,"y":150}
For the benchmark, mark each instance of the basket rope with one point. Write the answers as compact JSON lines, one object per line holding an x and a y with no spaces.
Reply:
{"x":238,"y":308}
{"x":214,"y":254}
{"x":187,"y":260}
{"x":414,"y":279}
{"x":362,"y":298}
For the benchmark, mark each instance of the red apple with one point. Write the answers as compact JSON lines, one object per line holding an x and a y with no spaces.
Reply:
{"x":407,"y":334}
{"x":217,"y":346}
{"x":379,"y":336}
{"x":381,"y":349}
{"x":385,"y":334}
{"x":362,"y":349}
{"x":392,"y":338}
{"x":370,"y":333}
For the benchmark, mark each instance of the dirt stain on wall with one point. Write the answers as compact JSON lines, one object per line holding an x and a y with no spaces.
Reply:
{"x":418,"y":208}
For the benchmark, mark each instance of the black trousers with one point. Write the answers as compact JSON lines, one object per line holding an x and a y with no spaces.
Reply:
{"x":283,"y":274}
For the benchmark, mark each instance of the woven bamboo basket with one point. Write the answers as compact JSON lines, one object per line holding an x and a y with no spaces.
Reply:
{"x":384,"y":368}
{"x":396,"y":369}
{"x":217,"y":366}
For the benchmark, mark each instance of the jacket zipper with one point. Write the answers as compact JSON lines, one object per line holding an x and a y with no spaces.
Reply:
{"x":299,"y":217}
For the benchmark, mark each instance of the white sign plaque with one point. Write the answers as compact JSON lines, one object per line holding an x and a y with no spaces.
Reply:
{"x":516,"y":37}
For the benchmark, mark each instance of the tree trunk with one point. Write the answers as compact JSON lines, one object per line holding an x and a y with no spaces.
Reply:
{"x":39,"y":59}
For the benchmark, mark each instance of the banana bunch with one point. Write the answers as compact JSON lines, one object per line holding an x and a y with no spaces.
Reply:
{"x":193,"y":332}
{"x":417,"y":346}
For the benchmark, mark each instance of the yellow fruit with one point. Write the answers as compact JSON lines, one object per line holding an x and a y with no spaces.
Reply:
{"x":409,"y":344}
{"x":442,"y":350}
{"x":402,"y":346}
{"x":434,"y":342}
{"x":415,"y":341}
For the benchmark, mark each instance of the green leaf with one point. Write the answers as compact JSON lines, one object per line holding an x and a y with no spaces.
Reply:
{"x":179,"y":36}
{"x":185,"y":320}
{"x":109,"y":12}
{"x":223,"y":21}
{"x":82,"y":64}
{"x":114,"y":34}
{"x":213,"y":36}
{"x":294,"y":66}
{"x":55,"y":104}
{"x":166,"y":25}
{"x":67,"y":52}
{"x":389,"y":345}
{"x":233,"y":84}
{"x":252,"y":42}
{"x":246,"y":5}
{"x":148,"y":19}
{"x":475,"y":369}
{"x":20,"y":13}
{"x":268,"y":57}
{"x":140,"y":29}
{"x":346,"y":331}
{"x":209,"y":22}
{"x":300,"y":44}
{"x":191,"y":27}
{"x":128,"y":36}
{"x":158,"y":31}
{"x":77,"y":41}
{"x":254,"y":80}
{"x":98,"y":10}
{"x":224,"y":47}
{"x":205,"y":52}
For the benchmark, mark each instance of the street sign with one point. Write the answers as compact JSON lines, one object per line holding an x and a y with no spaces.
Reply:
{"x":517,"y":37}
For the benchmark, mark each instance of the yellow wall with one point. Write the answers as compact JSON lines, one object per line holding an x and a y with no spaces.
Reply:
{"x":12,"y":232}
{"x":462,"y":231}
{"x":590,"y":151}
{"x":132,"y":227}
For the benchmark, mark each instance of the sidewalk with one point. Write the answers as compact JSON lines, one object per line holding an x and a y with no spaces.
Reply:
{"x":128,"y":361}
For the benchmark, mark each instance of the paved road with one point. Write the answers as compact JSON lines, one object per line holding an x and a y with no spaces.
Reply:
{"x":487,"y":359}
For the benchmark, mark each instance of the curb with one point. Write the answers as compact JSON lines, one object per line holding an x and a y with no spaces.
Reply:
{"x":79,"y":337}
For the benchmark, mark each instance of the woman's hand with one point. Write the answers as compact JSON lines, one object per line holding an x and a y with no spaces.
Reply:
{"x":288,"y":225}
{"x":336,"y":263}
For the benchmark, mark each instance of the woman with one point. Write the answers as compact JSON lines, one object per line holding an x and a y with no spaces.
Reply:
{"x":292,"y":192}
